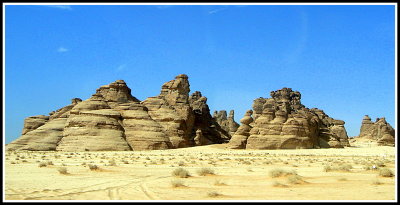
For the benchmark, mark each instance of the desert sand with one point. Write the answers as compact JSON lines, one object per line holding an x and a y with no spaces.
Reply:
{"x":317,"y":174}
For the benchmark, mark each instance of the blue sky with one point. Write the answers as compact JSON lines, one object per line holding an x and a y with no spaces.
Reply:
{"x":340,"y":58}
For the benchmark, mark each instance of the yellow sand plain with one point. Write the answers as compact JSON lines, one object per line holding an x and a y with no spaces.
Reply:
{"x":238,"y":174}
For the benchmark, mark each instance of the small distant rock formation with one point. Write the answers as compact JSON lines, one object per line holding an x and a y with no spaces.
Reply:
{"x":380,"y":132}
{"x":114,"y":120}
{"x":282,"y":122}
{"x":226,"y":122}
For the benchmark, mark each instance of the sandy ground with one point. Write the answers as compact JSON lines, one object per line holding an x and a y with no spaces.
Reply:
{"x":238,"y":174}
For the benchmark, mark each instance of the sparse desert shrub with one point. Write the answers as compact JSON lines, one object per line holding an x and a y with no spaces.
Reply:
{"x":180,"y":172}
{"x":342,"y":179}
{"x":380,"y":164}
{"x":367,"y":167}
{"x":12,"y":162}
{"x":377,"y":182}
{"x":219,"y":183}
{"x":342,"y":167}
{"x":213,"y":194}
{"x":280,"y":172}
{"x":345,"y":167}
{"x":181,"y":163}
{"x":42,"y":164}
{"x":112,"y":163}
{"x":50,"y":163}
{"x":278,"y":184}
{"x":177,"y":183}
{"x":125,"y":161}
{"x":385,"y":172}
{"x":62,"y":170}
{"x":205,"y":171}
{"x":93,"y":167}
{"x":295,"y":179}
{"x":246,"y":162}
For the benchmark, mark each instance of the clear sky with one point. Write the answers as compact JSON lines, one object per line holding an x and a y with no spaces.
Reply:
{"x":340,"y":58}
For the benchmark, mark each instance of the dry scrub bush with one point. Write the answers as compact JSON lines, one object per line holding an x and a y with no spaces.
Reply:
{"x":295,"y":179}
{"x":62,"y":170}
{"x":280,"y":172}
{"x":377,"y":182}
{"x":219,"y":183}
{"x":213,"y":194}
{"x":93,"y":167}
{"x":42,"y":164}
{"x":278,"y":184}
{"x":177,"y":183}
{"x":181,"y":173}
{"x":385,"y":172}
{"x":205,"y":171}
{"x":112,"y":163}
{"x":342,"y":167}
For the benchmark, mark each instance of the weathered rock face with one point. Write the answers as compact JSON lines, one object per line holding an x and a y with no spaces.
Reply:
{"x":93,"y":126}
{"x":172,"y":111}
{"x":282,"y":122}
{"x":227,"y":123}
{"x":34,"y":122}
{"x":113,"y":120}
{"x":380,"y":131}
{"x":141,"y":131}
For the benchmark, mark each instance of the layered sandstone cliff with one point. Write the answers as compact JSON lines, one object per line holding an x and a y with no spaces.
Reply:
{"x":114,"y":120}
{"x":282,"y":122}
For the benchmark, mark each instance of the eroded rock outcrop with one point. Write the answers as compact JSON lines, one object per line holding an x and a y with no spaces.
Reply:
{"x":282,"y":122}
{"x":226,"y":122}
{"x":114,"y":120}
{"x":205,"y":128}
{"x":379,"y":131}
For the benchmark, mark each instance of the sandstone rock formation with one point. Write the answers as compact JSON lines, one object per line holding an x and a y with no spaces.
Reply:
{"x":379,"y":131}
{"x":239,"y":139}
{"x":282,"y":122}
{"x":227,"y":123}
{"x":114,"y":120}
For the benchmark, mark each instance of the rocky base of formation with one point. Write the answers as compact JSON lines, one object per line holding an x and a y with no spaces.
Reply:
{"x":282,"y":122}
{"x":113,"y":120}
